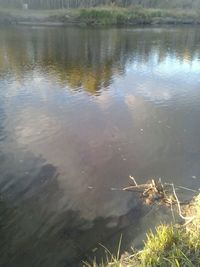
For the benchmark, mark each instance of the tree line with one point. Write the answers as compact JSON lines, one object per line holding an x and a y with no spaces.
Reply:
{"x":59,"y":4}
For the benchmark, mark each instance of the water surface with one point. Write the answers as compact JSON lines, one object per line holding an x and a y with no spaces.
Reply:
{"x":80,"y":111}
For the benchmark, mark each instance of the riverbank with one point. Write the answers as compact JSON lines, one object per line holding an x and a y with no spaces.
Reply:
{"x":98,"y":16}
{"x":170,"y":245}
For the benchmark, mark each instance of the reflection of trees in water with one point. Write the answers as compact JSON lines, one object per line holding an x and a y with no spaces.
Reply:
{"x":89,"y":59}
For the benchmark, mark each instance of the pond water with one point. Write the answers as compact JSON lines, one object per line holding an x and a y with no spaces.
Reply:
{"x":80,"y":111}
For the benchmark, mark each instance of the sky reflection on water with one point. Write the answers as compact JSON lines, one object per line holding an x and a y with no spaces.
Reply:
{"x":81,"y":110}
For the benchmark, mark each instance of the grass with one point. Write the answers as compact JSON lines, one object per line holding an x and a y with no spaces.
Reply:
{"x":113,"y":16}
{"x":111,"y":260}
{"x":106,"y":15}
{"x":169,"y":246}
{"x":135,"y":15}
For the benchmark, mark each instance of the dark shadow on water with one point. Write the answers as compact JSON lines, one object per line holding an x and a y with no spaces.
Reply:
{"x":35,"y":232}
{"x":65,"y":243}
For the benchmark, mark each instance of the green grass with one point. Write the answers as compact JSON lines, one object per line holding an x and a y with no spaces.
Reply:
{"x":115,"y":16}
{"x":169,"y":246}
{"x":133,"y":15}
{"x":105,"y":15}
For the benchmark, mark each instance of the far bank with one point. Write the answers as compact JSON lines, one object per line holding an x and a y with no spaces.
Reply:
{"x":99,"y":16}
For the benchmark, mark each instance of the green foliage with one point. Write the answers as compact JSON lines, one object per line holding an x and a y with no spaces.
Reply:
{"x":98,"y":16}
{"x":136,"y":15}
{"x":169,"y":246}
{"x":104,"y":15}
{"x":115,"y":16}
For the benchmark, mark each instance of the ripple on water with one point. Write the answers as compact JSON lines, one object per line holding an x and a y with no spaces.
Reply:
{"x":80,"y":111}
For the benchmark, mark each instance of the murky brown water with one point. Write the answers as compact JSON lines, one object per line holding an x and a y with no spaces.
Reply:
{"x":81,"y":110}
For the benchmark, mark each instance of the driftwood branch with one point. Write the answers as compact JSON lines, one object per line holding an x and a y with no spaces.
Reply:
{"x":155,"y":191}
{"x":179,"y":206}
{"x":133,"y":187}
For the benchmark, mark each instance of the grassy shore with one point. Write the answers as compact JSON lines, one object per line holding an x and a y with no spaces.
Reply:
{"x":137,"y":16}
{"x":170,"y":245}
{"x":100,"y":16}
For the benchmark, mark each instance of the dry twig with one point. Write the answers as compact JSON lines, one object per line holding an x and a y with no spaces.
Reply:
{"x":162,"y":194}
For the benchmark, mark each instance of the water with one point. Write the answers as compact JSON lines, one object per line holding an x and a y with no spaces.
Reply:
{"x":80,"y":111}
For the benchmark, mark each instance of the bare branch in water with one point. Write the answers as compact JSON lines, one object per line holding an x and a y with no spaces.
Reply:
{"x":133,"y":179}
{"x":155,"y":191}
